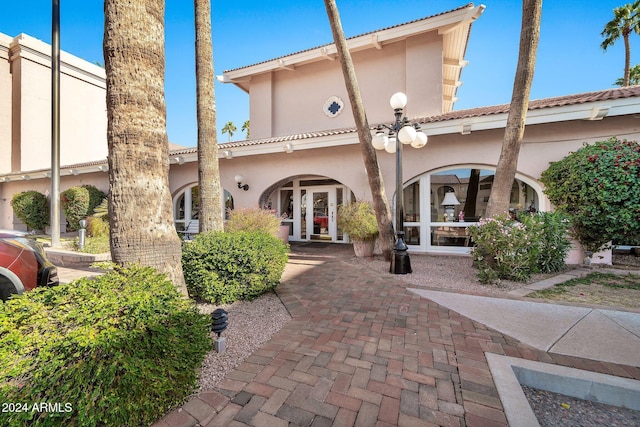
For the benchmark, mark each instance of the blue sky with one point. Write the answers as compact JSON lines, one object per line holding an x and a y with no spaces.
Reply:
{"x":569,"y":60}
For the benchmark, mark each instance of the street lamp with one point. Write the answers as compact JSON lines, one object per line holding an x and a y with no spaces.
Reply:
{"x":400,"y":132}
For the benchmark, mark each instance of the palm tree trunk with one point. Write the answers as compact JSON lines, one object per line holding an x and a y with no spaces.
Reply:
{"x":210,"y":199}
{"x":380,"y":203}
{"x":514,"y":132}
{"x":140,"y":207}
{"x":627,"y":58}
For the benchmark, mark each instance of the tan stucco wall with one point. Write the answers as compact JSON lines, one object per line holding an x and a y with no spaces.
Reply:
{"x":291,"y":101}
{"x":5,"y":104}
{"x":83,"y":119}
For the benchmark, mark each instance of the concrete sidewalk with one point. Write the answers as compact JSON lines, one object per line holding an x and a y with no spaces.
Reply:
{"x":363,"y":349}
{"x":605,"y":335}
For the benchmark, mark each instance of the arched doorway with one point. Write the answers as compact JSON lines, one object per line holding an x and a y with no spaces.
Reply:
{"x":440,"y":205}
{"x":308,"y":205}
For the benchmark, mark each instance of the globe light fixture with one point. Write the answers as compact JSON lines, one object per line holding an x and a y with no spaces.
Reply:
{"x":379,"y":141}
{"x":400,"y":132}
{"x":390,"y":145}
{"x":398,"y":101}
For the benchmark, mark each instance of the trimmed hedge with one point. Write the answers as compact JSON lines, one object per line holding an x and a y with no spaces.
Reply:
{"x":225,"y":267}
{"x":32,"y":208}
{"x":120,"y":349}
{"x":79,"y":202}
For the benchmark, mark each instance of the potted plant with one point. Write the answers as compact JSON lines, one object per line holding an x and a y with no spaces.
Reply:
{"x":358,"y":220}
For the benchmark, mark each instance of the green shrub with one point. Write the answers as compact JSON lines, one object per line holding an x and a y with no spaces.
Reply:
{"x":510,"y":249}
{"x":553,"y":245}
{"x":121,"y":349}
{"x":358,"y":220}
{"x":75,"y":204}
{"x":225,"y":267}
{"x":502,"y":245}
{"x":80,"y":202}
{"x":32,"y":208}
{"x":96,"y":197}
{"x":599,"y":187}
{"x":253,"y":219}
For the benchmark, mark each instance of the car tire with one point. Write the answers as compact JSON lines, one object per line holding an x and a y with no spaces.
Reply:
{"x":9,"y":284}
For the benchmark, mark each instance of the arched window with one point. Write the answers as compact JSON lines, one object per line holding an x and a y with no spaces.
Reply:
{"x":450,"y":200}
{"x":185,"y":207}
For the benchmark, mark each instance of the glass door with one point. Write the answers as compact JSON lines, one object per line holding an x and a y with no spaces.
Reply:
{"x":321,"y":215}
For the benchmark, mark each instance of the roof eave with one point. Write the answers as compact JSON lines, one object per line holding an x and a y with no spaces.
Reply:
{"x":376,"y":39}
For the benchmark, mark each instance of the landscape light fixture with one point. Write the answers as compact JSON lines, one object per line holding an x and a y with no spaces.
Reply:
{"x":219,"y":322}
{"x":400,"y":132}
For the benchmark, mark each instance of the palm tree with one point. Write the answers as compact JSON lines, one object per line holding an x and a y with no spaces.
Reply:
{"x":380,"y":203}
{"x":245,"y":127}
{"x":514,"y":132}
{"x":210,"y":216}
{"x":140,"y":207}
{"x":625,"y":20}
{"x":229,"y":128}
{"x":634,"y":77}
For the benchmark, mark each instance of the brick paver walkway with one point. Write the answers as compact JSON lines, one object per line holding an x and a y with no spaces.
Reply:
{"x":361,"y":350}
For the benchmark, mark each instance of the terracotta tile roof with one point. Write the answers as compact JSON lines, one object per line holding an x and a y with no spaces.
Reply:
{"x":560,"y":101}
{"x":354,"y":37}
{"x":539,"y":104}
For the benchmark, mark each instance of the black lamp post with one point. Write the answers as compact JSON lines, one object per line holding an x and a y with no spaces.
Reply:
{"x":401,"y":132}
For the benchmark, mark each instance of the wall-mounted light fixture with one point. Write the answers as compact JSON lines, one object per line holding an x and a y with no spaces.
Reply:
{"x":288,"y":148}
{"x":228,"y":154}
{"x":239,"y":179}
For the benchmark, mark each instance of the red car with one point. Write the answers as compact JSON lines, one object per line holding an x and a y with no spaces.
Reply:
{"x":23,"y":264}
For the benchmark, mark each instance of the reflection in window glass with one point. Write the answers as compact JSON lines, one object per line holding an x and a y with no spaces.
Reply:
{"x":286,"y":203}
{"x":450,"y":236}
{"x":228,"y":204}
{"x":339,"y":202}
{"x":411,"y":235}
{"x":195,"y":199}
{"x":472,"y":188}
{"x":303,"y":214}
{"x":180,"y":207}
{"x":411,"y":199}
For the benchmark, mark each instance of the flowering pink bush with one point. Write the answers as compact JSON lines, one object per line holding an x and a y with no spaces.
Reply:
{"x":514,"y":249}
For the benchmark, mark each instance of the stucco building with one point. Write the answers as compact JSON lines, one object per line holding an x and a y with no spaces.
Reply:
{"x":303,"y":158}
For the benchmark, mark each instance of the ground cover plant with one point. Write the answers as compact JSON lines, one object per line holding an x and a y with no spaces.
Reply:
{"x":597,"y":288}
{"x":93,"y":245}
{"x":222,"y":267}
{"x":120,"y":349}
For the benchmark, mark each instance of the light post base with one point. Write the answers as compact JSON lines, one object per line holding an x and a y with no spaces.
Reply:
{"x":400,"y":261}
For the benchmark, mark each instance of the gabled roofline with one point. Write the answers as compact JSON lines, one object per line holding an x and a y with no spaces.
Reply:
{"x":583,"y":106}
{"x":443,"y":22}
